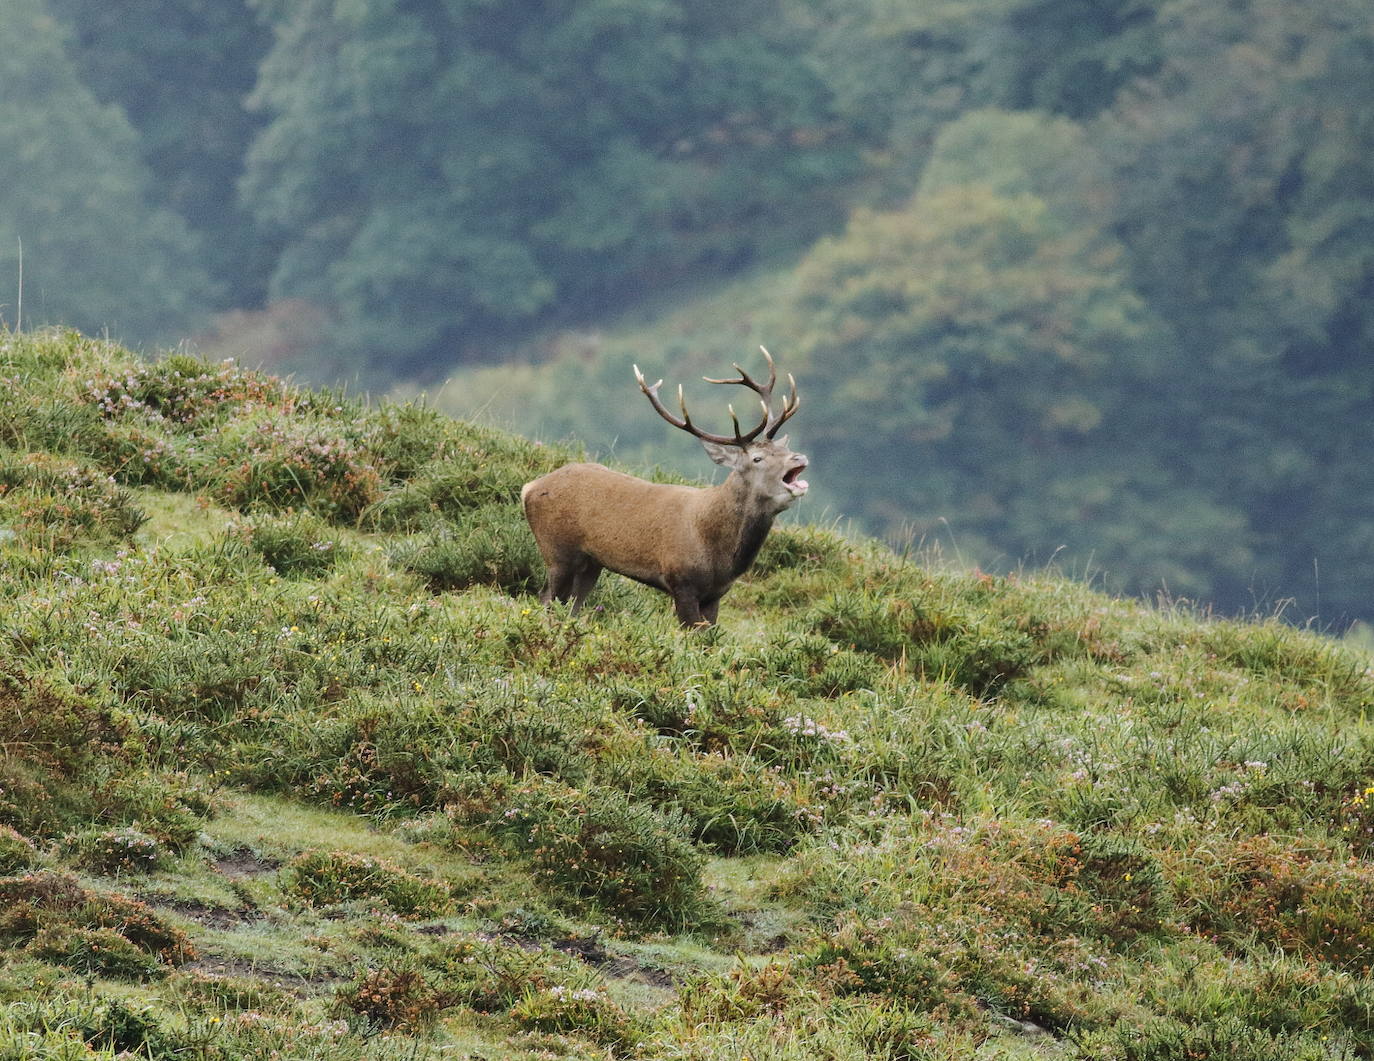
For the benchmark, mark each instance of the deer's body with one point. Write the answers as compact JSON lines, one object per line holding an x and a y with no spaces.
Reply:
{"x":690,"y":542}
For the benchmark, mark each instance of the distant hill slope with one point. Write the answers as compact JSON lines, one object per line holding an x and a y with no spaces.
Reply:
{"x":291,"y":757}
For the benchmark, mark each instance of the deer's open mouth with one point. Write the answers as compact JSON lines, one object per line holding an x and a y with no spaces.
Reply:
{"x":793,"y":481}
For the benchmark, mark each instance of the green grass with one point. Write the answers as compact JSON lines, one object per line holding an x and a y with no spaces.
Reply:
{"x":295,"y":762}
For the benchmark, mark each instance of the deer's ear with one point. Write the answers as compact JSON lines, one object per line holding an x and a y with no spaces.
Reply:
{"x":781,"y":441}
{"x":724,"y":455}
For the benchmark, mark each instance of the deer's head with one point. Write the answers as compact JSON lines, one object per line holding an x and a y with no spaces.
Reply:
{"x":768,"y":469}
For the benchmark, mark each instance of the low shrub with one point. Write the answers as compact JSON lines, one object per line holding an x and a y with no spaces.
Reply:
{"x":1028,"y":918}
{"x":95,"y":951}
{"x":735,"y":804}
{"x":66,"y":761}
{"x":403,"y":437}
{"x":1355,"y":820}
{"x":393,"y":998}
{"x":231,"y":994}
{"x":137,"y":455}
{"x":598,"y":844}
{"x":1274,"y":651}
{"x":32,"y":418}
{"x":538,"y":987}
{"x":381,"y":753}
{"x":326,"y":878}
{"x":1196,"y":983}
{"x":1303,"y":897}
{"x":915,"y":745}
{"x":480,"y":468}
{"x":113,"y":851}
{"x":533,"y":921}
{"x":584,"y":1011}
{"x":492,"y":974}
{"x":278,"y":463}
{"x":179,"y":390}
{"x":54,"y":918}
{"x":47,"y":1029}
{"x":958,"y":962}
{"x":55,"y":503}
{"x":117,"y":1025}
{"x":895,"y":959}
{"x":170,"y":806}
{"x":897,"y":1031}
{"x":735,"y":713}
{"x":814,"y":666}
{"x":1100,"y":884}
{"x":491,"y":545}
{"x":809,"y":548}
{"x":937,"y":637}
{"x":295,"y":545}
{"x":1164,"y":1039}
{"x":367,"y":761}
{"x":743,"y":994}
{"x":210,"y":679}
{"x":17,"y":852}
{"x":520,"y":732}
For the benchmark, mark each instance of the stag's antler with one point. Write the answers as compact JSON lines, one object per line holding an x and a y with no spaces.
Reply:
{"x":765,"y":392}
{"x":768,"y":426}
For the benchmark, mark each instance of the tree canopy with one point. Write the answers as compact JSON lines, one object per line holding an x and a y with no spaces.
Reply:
{"x":444,"y":167}
{"x":80,"y":208}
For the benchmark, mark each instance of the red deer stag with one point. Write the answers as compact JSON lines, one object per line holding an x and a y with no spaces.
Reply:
{"x":690,"y":542}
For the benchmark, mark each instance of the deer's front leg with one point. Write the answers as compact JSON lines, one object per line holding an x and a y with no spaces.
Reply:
{"x":687,"y":603}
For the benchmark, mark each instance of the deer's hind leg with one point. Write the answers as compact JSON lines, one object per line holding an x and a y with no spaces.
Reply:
{"x":571,"y":578}
{"x":559,"y":586}
{"x":563,"y":569}
{"x":584,"y":580}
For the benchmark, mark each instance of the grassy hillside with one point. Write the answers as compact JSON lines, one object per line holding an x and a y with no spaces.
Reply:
{"x":293,"y":765}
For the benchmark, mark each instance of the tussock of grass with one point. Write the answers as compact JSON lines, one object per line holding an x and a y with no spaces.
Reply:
{"x":273,"y":665}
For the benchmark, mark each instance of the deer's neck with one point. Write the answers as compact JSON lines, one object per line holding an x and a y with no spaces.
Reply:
{"x":737,"y":522}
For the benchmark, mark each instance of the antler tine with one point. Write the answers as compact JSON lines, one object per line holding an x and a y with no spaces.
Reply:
{"x":768,"y":426}
{"x":686,"y":416}
{"x":764,"y":390}
{"x":685,"y":423}
{"x":790,"y":405}
{"x":652,"y":394}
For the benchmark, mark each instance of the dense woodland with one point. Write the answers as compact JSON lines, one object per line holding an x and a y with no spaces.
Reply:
{"x":1083,"y":279}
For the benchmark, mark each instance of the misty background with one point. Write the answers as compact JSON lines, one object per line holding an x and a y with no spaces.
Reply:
{"x":1089,"y":281}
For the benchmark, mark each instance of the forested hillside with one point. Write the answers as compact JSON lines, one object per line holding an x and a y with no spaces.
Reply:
{"x":1059,"y":278}
{"x":295,"y":767}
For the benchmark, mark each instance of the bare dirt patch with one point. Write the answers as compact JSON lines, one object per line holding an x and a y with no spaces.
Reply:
{"x":244,"y":863}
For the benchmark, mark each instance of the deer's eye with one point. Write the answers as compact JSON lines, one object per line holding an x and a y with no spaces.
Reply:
{"x":758,"y":460}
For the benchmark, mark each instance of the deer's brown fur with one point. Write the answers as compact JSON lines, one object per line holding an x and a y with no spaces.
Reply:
{"x":690,"y":542}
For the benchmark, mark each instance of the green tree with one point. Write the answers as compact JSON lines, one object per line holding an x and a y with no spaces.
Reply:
{"x":982,"y":353}
{"x":901,"y":71}
{"x":180,"y":70}
{"x":1072,"y":57}
{"x":98,"y":252}
{"x":1247,"y":200}
{"x":439,"y":167}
